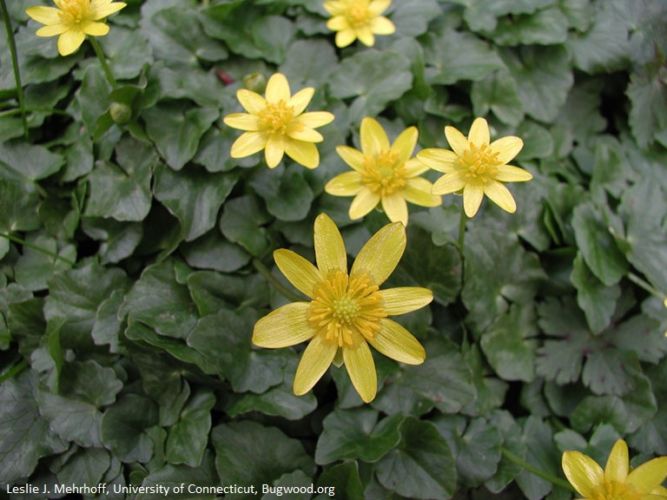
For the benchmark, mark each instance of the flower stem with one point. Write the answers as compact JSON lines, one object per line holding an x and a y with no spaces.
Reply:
{"x":646,"y":286}
{"x":20,"y":241}
{"x":13,"y":370}
{"x":556,"y":481}
{"x":103,"y":62}
{"x":462,"y":229}
{"x":283,"y":290}
{"x":15,"y":63}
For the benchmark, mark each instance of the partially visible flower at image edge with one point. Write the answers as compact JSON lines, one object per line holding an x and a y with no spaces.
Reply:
{"x":477,"y":167}
{"x":72,"y":20}
{"x":383,"y":173}
{"x":277,"y":124}
{"x":347,"y":311}
{"x":616,"y":481}
{"x":358,"y":19}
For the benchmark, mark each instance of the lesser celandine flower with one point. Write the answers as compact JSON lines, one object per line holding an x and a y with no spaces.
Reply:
{"x":616,"y":481}
{"x":346,"y":311}
{"x":383,"y":172}
{"x":361,"y":19}
{"x":477,"y":167}
{"x":72,"y":20}
{"x":277,"y":124}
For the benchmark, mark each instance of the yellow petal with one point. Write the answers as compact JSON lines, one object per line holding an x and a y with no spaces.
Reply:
{"x":69,"y":42}
{"x":96,"y":29}
{"x":472,"y":199}
{"x":106,"y":10}
{"x":479,"y":133}
{"x":298,"y":271}
{"x":405,"y":299}
{"x":347,"y":184}
{"x":338,"y":23}
{"x":380,"y":255}
{"x":374,"y":139}
{"x":51,"y":30}
{"x":397,"y":343}
{"x":501,"y":196}
{"x":329,"y":246}
{"x":414,"y":167}
{"x":649,"y":475}
{"x":277,"y":89}
{"x":304,"y":153}
{"x":361,"y":368}
{"x":510,"y":173}
{"x":363,"y":203}
{"x":251,"y":101}
{"x":456,"y":140}
{"x":419,"y":192}
{"x":365,"y":36}
{"x":618,"y":463}
{"x":507,"y":148}
{"x":345,"y":38}
{"x":382,"y":26}
{"x":44,"y":15}
{"x":242,"y":121}
{"x":315,"y":361}
{"x":275,"y":149}
{"x":332,"y":7}
{"x":582,"y":472}
{"x":405,"y":144}
{"x":286,"y":326}
{"x":315,"y":119}
{"x":352,"y":157}
{"x":248,"y":144}
{"x":396,"y":208}
{"x":442,"y":160}
{"x":301,"y":133}
{"x":449,"y":183}
{"x":299,"y":101}
{"x":377,"y":7}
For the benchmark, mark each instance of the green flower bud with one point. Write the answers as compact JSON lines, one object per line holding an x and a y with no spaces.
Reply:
{"x":255,"y":82}
{"x":120,"y":113}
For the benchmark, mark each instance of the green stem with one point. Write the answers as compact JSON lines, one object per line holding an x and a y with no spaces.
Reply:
{"x":20,"y":241}
{"x":646,"y":286}
{"x":462,"y":229}
{"x":12,"y":112}
{"x":15,"y":63}
{"x":556,"y":481}
{"x":103,"y":62}
{"x":13,"y":370}
{"x":283,"y":290}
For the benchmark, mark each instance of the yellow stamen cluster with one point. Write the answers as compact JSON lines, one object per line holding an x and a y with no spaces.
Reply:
{"x":478,"y":164}
{"x":613,"y":490}
{"x":358,"y":16}
{"x":74,"y":12}
{"x":276,"y":118}
{"x":384,"y":174}
{"x":342,"y":305}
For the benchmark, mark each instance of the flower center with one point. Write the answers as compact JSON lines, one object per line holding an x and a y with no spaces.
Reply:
{"x":74,"y":12}
{"x":357,"y":15}
{"x":384,"y":174}
{"x":343,"y":306}
{"x":478,"y":164}
{"x":612,"y":490}
{"x":275,"y":118}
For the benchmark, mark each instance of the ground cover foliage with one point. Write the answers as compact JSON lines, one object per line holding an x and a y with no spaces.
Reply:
{"x":128,"y":360}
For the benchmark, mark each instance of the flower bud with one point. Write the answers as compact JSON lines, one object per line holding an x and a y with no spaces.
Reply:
{"x":120,"y":113}
{"x":255,"y":82}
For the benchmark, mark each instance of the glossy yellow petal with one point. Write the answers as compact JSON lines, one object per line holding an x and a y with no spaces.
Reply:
{"x":449,"y":183}
{"x":479,"y":133}
{"x":44,"y":15}
{"x":649,"y":475}
{"x":338,"y":23}
{"x":248,"y":144}
{"x":298,"y":271}
{"x":397,"y":343}
{"x":70,"y":41}
{"x":352,"y":157}
{"x":275,"y":149}
{"x":396,"y":208}
{"x":374,"y":139}
{"x":382,"y":26}
{"x":405,"y":144}
{"x":304,"y":153}
{"x":618,"y":463}
{"x":51,"y":30}
{"x":345,"y":38}
{"x":510,"y":173}
{"x":377,"y":7}
{"x":96,"y":29}
{"x":365,"y":36}
{"x":659,"y":492}
{"x":582,"y":472}
{"x":277,"y":89}
{"x":456,"y":140}
{"x":507,"y":148}
{"x":472,"y":199}
{"x":286,"y":326}
{"x":403,"y":300}
{"x":363,"y":203}
{"x":106,"y":10}
{"x":347,"y":184}
{"x":315,"y":119}
{"x":315,"y":361}
{"x":442,"y":160}
{"x":299,"y":101}
{"x":329,"y":246}
{"x":501,"y":196}
{"x":414,"y":167}
{"x":251,"y":101}
{"x":419,"y":192}
{"x":361,"y":368}
{"x":305,"y":134}
{"x":380,"y":255}
{"x":242,"y":121}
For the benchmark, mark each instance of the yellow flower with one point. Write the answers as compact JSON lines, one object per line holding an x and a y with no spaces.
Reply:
{"x":73,"y":20}
{"x":360,"y":19}
{"x":346,"y":312}
{"x":383,"y":173}
{"x":477,"y":167}
{"x":277,"y":124}
{"x":617,"y":481}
